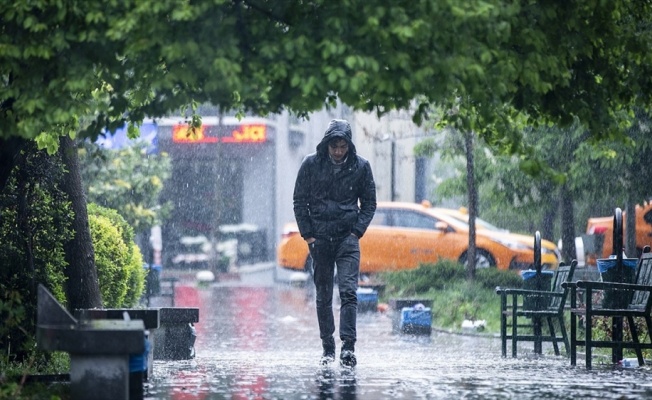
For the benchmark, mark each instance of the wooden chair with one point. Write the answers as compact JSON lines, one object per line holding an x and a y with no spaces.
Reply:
{"x":513,"y":314}
{"x":639,"y":306}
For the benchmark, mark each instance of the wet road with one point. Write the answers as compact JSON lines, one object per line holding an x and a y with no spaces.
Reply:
{"x":258,"y":339}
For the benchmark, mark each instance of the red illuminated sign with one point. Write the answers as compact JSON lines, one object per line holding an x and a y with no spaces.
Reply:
{"x":183,"y":134}
{"x":247,"y":133}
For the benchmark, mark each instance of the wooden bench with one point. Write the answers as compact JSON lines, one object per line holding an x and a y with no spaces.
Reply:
{"x":639,"y":306}
{"x":513,"y":313}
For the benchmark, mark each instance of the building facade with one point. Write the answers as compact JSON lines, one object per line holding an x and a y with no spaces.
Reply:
{"x":233,"y":177}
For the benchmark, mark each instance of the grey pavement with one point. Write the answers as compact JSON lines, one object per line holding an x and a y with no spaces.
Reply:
{"x":258,"y":339}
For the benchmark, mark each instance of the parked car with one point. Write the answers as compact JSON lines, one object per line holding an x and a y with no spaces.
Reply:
{"x":404,"y":235}
{"x":599,"y":233}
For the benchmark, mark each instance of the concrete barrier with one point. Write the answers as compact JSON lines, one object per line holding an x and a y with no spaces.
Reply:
{"x":150,"y":318}
{"x":175,"y":337}
{"x":99,"y":349}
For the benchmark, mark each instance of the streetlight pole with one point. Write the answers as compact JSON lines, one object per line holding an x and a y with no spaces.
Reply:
{"x":393,"y":169}
{"x":391,"y":137}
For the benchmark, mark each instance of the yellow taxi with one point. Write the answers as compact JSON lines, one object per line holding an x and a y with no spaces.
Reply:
{"x":603,"y":227}
{"x":404,"y":235}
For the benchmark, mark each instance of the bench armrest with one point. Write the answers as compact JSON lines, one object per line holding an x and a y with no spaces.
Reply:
{"x":525,"y":292}
{"x":612,"y":285}
{"x":569,"y":285}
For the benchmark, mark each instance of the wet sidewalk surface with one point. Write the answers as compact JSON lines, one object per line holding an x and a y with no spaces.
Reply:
{"x":258,"y":339}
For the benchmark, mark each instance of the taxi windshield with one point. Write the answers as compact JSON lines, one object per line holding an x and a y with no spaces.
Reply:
{"x":479,"y":223}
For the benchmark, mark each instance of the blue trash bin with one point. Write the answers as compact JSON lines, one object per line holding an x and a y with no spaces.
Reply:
{"x":138,"y":373}
{"x":533,"y":281}
{"x":367,"y":300}
{"x":609,"y":273}
{"x":416,"y":320}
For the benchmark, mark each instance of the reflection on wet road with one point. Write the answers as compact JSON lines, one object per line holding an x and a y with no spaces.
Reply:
{"x":257,"y":339}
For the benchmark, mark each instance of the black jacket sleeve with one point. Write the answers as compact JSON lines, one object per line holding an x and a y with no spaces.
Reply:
{"x":301,"y":200}
{"x":367,"y":199}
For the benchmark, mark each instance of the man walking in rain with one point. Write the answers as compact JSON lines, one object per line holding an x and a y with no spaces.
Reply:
{"x":334,"y":202}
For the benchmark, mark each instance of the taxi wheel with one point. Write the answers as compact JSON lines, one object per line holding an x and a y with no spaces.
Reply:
{"x":483,"y":259}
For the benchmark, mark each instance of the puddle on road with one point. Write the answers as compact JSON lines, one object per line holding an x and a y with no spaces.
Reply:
{"x":262,"y":343}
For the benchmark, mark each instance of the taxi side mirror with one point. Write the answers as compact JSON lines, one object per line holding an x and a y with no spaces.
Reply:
{"x":442,"y":226}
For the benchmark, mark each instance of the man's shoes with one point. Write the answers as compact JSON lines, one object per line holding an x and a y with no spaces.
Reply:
{"x":328,"y":358}
{"x":347,"y":359}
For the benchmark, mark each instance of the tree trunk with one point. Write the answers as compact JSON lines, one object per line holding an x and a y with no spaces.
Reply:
{"x":567,"y":225}
{"x":9,"y":151}
{"x":23,"y":216}
{"x":82,"y":287}
{"x":548,"y":220}
{"x":473,"y":203}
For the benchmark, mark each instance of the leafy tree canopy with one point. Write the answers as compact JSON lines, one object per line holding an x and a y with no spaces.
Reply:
{"x":123,"y":60}
{"x":127,"y":180}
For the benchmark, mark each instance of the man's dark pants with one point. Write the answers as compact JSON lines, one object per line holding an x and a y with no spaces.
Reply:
{"x":345,"y":253}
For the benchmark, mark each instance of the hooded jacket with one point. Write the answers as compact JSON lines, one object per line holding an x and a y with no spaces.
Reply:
{"x":330,"y":205}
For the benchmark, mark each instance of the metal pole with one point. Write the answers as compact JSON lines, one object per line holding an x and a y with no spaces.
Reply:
{"x":537,"y":252}
{"x":393,"y":170}
{"x":536,"y":320}
{"x":617,"y":322}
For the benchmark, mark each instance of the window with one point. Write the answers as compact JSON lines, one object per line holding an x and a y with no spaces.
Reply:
{"x":411,"y":219}
{"x":647,"y":217}
{"x":380,"y":218}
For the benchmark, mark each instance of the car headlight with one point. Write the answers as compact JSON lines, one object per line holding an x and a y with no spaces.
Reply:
{"x":555,"y":252}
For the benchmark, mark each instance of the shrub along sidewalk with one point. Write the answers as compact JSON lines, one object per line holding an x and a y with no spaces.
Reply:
{"x":454,"y":298}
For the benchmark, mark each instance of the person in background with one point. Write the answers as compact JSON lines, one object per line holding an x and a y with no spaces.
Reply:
{"x":334,"y":202}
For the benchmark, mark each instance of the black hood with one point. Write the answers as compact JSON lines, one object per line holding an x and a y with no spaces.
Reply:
{"x":337,"y":128}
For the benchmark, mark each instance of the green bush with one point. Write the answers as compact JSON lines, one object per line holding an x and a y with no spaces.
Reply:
{"x":125,"y":230}
{"x":446,"y":271}
{"x":136,"y":280}
{"x":35,"y":221}
{"x":424,"y":278}
{"x":453,"y":296}
{"x":490,"y":278}
{"x":465,"y":301}
{"x":111,"y":259}
{"x":38,"y":362}
{"x":117,"y":258}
